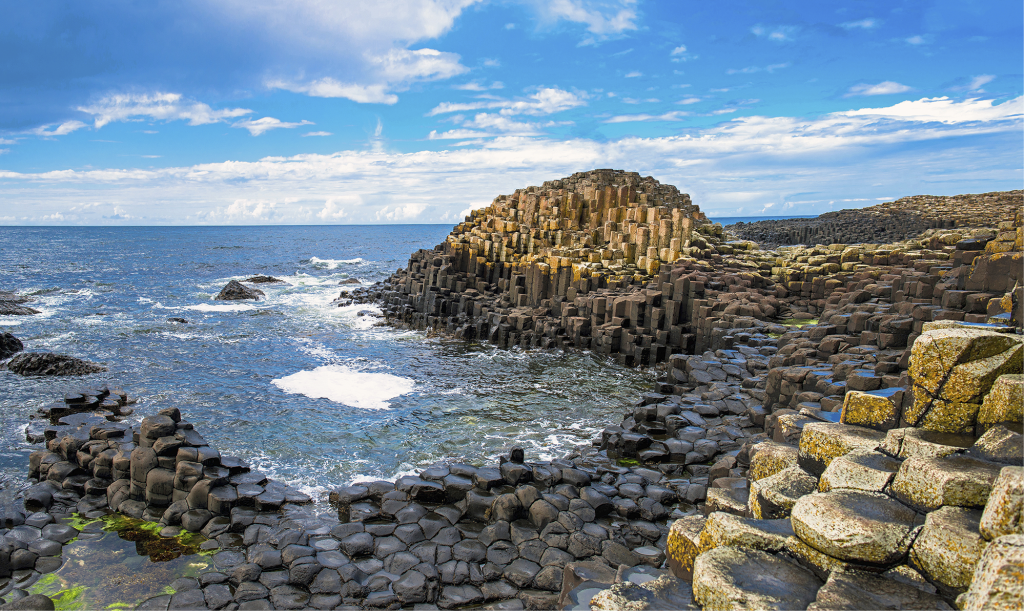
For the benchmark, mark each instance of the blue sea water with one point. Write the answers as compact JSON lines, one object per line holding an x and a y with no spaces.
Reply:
{"x":310,"y":393}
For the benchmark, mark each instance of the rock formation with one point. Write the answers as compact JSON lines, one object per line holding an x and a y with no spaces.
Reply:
{"x":235,"y":290}
{"x":9,"y":345}
{"x":50,"y":364}
{"x":12,"y":305}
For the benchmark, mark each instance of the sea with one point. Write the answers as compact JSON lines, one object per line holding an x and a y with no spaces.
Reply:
{"x":312,"y":394}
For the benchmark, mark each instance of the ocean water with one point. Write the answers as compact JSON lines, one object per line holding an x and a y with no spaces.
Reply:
{"x":312,"y":394}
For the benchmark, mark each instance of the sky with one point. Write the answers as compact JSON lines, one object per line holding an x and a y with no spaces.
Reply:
{"x":246,"y":112}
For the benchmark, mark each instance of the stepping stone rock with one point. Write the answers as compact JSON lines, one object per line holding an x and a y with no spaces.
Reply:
{"x":723,"y":529}
{"x":773,"y":497}
{"x":949,"y":546}
{"x":1003,"y":405}
{"x":854,"y":526}
{"x":770,"y":457}
{"x":683,"y":545}
{"x":999,"y":445}
{"x":665,"y":592}
{"x":866,"y":470}
{"x":821,"y":442}
{"x":735,"y":578}
{"x":998,"y":582}
{"x":930,"y":483}
{"x":860,"y":590}
{"x":1004,"y":512}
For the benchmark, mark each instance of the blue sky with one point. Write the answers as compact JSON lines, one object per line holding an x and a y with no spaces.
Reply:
{"x":415,"y":111}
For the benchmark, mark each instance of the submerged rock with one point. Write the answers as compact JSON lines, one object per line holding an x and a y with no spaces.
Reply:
{"x":50,"y":364}
{"x":235,"y":290}
{"x":9,"y":308}
{"x":9,"y":345}
{"x":264,"y":280}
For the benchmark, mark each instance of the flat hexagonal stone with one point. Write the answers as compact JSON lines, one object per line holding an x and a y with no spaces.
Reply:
{"x":735,"y":578}
{"x":821,"y":442}
{"x":930,"y":483}
{"x":998,"y":582}
{"x":722,"y":529}
{"x":855,"y":526}
{"x":773,"y":497}
{"x":860,"y":590}
{"x":859,"y":470}
{"x":907,"y":442}
{"x":949,"y":546}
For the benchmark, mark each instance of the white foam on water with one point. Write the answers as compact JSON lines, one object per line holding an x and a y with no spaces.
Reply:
{"x":221,"y":307}
{"x":7,"y":321}
{"x":347,"y":386}
{"x":350,"y":315}
{"x":332,"y":263}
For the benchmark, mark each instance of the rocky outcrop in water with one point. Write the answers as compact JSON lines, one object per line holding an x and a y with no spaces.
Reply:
{"x":11,"y":304}
{"x":50,"y":364}
{"x":9,"y":345}
{"x":235,"y":290}
{"x":264,"y":280}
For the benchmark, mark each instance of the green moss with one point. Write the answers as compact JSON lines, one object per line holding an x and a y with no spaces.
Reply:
{"x":66,"y":600}
{"x":628,"y":462}
{"x":798,"y":322}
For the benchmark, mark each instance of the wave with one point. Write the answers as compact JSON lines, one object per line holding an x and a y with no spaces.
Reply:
{"x":332,"y":263}
{"x":347,"y":386}
{"x":221,"y":307}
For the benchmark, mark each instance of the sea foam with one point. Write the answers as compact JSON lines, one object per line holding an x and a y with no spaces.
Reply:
{"x":345,"y":385}
{"x":332,"y":263}
{"x":221,"y":307}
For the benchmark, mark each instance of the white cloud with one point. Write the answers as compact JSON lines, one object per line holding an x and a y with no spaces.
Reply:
{"x":680,"y":50}
{"x":634,"y":74}
{"x":543,"y":102}
{"x":510,"y":26}
{"x":159,"y":106}
{"x":307,"y":134}
{"x":335,"y":208}
{"x":63,"y":129}
{"x":477,"y":86}
{"x":861,"y":153}
{"x":778,"y":33}
{"x":917,"y":40}
{"x":603,"y":18}
{"x":395,"y":70}
{"x":883,"y":88}
{"x":4,"y":151}
{"x":752,"y":69}
{"x":7,"y":141}
{"x":261,"y":126}
{"x":976,"y":83}
{"x":676,"y":115}
{"x":404,"y":212}
{"x":689,"y":100}
{"x":863,"y":24}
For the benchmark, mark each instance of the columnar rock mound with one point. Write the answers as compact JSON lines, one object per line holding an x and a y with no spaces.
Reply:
{"x":902,"y":219}
{"x":50,"y":364}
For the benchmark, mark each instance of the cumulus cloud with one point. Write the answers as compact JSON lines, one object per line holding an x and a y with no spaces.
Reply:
{"x":545,"y":101}
{"x":159,"y":106}
{"x":860,"y":153}
{"x":676,"y":115}
{"x":883,"y":88}
{"x":261,"y":126}
{"x":602,"y":18}
{"x":394,"y":70}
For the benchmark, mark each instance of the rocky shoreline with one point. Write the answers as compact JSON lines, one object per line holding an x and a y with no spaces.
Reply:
{"x":834,"y":427}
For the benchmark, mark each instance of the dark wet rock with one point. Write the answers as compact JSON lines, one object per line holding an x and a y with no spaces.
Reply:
{"x":260,"y":279}
{"x":9,"y":345}
{"x":50,"y":364}
{"x":235,"y":290}
{"x":11,"y":308}
{"x":177,"y":319}
{"x":33,"y":602}
{"x":350,"y":281}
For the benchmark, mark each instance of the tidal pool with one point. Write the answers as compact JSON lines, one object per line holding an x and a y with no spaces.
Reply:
{"x":118,"y":562}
